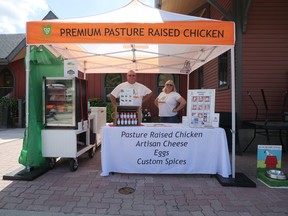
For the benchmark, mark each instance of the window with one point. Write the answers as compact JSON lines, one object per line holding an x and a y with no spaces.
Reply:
{"x":200,"y":77}
{"x":6,"y":82}
{"x":223,"y":70}
{"x":161,"y":80}
{"x":111,"y":81}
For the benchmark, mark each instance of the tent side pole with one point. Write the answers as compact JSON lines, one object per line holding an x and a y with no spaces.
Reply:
{"x":27,"y":86}
{"x":85,"y":70}
{"x":188,"y":77}
{"x":233,"y":109}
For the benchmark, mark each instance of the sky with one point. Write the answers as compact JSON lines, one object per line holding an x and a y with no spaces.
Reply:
{"x":15,"y":13}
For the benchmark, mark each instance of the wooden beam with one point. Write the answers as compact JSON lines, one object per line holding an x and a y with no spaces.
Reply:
{"x":245,"y":15}
{"x":228,"y":16}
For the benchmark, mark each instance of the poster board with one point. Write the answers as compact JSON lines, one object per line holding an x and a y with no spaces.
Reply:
{"x":126,"y":97}
{"x":269,"y":159}
{"x":269,"y":156}
{"x":200,"y":107}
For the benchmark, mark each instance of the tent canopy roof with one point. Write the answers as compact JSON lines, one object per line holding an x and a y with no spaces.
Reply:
{"x":135,"y":12}
{"x":136,"y":36}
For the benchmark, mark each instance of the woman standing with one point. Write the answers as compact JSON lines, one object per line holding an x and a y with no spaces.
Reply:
{"x":169,"y":103}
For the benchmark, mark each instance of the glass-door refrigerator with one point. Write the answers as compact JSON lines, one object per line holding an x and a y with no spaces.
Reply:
{"x":64,"y":102}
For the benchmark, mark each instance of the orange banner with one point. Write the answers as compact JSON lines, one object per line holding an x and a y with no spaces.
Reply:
{"x":174,"y":32}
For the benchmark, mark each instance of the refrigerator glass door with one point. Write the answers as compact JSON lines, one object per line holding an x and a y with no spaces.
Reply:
{"x":60,"y":102}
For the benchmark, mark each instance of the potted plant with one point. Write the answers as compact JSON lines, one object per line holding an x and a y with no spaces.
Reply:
{"x":146,"y":115}
{"x":9,"y":109}
{"x":98,"y":102}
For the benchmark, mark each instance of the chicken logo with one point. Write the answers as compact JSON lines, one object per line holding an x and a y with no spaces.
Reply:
{"x":47,"y":30}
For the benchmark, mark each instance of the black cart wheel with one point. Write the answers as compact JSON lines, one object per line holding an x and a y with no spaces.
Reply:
{"x":92,"y":151}
{"x":51,"y":162}
{"x":73,"y":165}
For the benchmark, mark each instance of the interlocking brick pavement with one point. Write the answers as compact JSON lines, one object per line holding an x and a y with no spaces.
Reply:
{"x":61,"y":192}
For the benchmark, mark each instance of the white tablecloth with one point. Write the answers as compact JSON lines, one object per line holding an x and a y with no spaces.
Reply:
{"x":164,"y":149}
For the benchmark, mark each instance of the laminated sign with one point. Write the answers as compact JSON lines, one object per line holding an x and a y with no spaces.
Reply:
{"x":200,"y":107}
{"x":126,"y":97}
{"x":70,"y":68}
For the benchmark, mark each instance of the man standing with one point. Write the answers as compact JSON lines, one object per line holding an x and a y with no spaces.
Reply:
{"x":139,"y":91}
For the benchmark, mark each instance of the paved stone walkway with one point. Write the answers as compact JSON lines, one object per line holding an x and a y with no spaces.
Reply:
{"x":61,"y":192}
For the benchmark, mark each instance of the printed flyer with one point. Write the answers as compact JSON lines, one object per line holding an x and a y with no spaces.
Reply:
{"x":200,"y":107}
{"x":70,"y":68}
{"x":126,"y":97}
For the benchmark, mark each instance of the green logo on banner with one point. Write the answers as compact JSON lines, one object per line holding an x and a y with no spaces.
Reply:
{"x":47,"y":30}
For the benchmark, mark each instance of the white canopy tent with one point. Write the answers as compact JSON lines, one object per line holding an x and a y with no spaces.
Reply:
{"x":137,"y":37}
{"x":114,"y":42}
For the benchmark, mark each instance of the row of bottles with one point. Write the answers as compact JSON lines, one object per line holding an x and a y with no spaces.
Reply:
{"x":127,"y":121}
{"x":128,"y":115}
